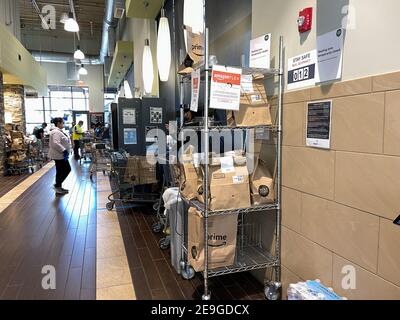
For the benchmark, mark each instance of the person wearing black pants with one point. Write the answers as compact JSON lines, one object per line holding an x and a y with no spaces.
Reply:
{"x":59,"y":151}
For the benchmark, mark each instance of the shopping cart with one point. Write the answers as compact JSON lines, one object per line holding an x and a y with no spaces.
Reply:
{"x":101,"y":159}
{"x":134,"y":177}
{"x":86,"y":146}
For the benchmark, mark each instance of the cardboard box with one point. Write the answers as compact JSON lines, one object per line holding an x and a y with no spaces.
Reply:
{"x":262,"y":185}
{"x":222,"y":238}
{"x":228,"y":190}
{"x":255,"y":109}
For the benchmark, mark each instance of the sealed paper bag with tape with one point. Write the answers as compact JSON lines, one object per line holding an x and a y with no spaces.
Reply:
{"x":262,"y":185}
{"x":254,"y":109}
{"x":229,"y":183}
{"x":222,"y":237}
{"x":190,"y":176}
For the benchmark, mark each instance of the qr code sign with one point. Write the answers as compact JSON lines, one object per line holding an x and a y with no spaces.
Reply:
{"x":156,"y":115}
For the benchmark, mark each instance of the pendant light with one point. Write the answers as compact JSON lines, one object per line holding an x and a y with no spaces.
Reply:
{"x":193,"y":15}
{"x":71,"y":25}
{"x":164,"y":48}
{"x":148,"y":69}
{"x":83,"y":71}
{"x":79,"y":55}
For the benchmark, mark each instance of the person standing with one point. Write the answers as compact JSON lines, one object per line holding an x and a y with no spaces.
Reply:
{"x":59,"y":145}
{"x":77,"y":134}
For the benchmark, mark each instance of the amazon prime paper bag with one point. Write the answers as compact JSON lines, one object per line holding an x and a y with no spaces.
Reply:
{"x":222,"y":237}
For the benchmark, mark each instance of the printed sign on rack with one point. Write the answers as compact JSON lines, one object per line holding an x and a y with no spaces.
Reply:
{"x":156,"y":115}
{"x":129,"y":116}
{"x":260,"y":52}
{"x":302,"y":70}
{"x":330,"y":55}
{"x":194,"y":104}
{"x":319,"y":123}
{"x":130,"y":136}
{"x":225,"y":88}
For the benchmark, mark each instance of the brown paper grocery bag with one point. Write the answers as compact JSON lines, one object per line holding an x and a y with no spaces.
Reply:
{"x":147,"y":171}
{"x":262,"y":185}
{"x":222,"y":237}
{"x":132,"y":175}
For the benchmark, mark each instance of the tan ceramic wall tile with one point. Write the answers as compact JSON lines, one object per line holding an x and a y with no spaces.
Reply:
{"x":389,"y":251}
{"x":306,"y":258}
{"x":368,"y":182}
{"x":389,"y":81}
{"x":309,"y":170}
{"x":297,"y":96}
{"x":291,"y":209}
{"x":294,"y":118}
{"x":392,"y":123}
{"x":288,"y":278}
{"x":341,"y":89}
{"x":368,"y":285}
{"x":358,"y":122}
{"x":348,"y":232}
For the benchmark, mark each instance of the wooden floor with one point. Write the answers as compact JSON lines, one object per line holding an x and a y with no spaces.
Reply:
{"x":154,"y":277}
{"x":40,"y":229}
{"x":7,"y":183}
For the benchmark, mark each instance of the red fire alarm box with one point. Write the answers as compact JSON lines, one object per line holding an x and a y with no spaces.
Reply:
{"x":305,"y":20}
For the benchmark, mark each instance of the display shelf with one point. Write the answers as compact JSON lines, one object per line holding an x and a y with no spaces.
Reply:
{"x":251,"y":258}
{"x":253,"y":209}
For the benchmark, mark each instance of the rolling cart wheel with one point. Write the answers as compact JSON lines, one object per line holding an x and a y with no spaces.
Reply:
{"x":164,"y":244}
{"x":104,"y":172}
{"x":157,"y":227}
{"x":156,"y":206}
{"x":187,"y":272}
{"x":110,"y":206}
{"x":272,"y":291}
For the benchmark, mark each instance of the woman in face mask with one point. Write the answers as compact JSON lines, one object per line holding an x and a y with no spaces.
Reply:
{"x":59,"y":145}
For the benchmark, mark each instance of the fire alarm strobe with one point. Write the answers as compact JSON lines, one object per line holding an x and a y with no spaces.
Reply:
{"x":305,"y":20}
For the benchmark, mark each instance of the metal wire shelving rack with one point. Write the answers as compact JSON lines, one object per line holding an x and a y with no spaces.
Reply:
{"x":249,"y":256}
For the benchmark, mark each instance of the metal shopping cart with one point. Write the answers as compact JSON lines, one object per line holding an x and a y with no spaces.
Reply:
{"x":134,"y":176}
{"x":101,"y":159}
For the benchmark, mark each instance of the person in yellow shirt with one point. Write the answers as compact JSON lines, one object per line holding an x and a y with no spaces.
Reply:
{"x":77,"y":134}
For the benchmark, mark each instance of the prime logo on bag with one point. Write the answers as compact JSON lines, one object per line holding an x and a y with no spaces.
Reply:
{"x":222,"y":238}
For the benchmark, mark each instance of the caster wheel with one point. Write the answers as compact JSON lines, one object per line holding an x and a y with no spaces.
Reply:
{"x":91,"y":177}
{"x":157,"y":227}
{"x":206,"y":297}
{"x":104,"y":172}
{"x":164,"y":244}
{"x":110,"y":206}
{"x":272,"y":291}
{"x":156,"y":206}
{"x":188,"y":272}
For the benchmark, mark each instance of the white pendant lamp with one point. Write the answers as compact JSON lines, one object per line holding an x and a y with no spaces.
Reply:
{"x":193,"y":15}
{"x":83,"y":71}
{"x":79,"y":55}
{"x":71,"y":25}
{"x":164,"y":48}
{"x":147,"y":66}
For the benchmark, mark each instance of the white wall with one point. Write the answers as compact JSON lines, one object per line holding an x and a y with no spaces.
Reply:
{"x":57,"y":75}
{"x":371,"y":48}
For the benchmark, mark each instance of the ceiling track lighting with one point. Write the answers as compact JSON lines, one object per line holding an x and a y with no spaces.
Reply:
{"x":70,"y":24}
{"x":83,"y":71}
{"x":147,"y":68}
{"x":164,"y":48}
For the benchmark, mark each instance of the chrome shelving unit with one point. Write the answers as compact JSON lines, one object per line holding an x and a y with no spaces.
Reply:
{"x":249,"y":256}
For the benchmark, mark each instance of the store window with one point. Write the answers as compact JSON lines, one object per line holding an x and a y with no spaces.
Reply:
{"x":60,"y":102}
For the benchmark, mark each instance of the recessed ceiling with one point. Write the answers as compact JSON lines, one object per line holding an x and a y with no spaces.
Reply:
{"x":89,"y":13}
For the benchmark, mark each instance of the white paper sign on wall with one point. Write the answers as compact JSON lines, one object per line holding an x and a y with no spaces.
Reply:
{"x":330,"y":55}
{"x":319,"y":124}
{"x":225,"y":88}
{"x":302,"y":70}
{"x":260,"y":52}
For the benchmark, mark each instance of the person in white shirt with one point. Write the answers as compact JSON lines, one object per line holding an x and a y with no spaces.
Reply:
{"x":59,"y":149}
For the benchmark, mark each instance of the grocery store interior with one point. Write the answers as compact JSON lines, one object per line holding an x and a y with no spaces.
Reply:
{"x":199,"y":150}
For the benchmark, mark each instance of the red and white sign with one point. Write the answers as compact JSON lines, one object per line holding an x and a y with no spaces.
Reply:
{"x":225,"y":88}
{"x":194,"y":104}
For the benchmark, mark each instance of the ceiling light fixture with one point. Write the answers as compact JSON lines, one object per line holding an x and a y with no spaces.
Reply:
{"x":79,"y":55}
{"x":71,"y":25}
{"x":148,"y":68}
{"x":83,"y":71}
{"x":64,"y":18}
{"x":164,"y":48}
